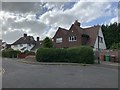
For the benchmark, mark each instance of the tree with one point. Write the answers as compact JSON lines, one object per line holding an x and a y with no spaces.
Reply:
{"x":111,"y":34}
{"x":115,"y":46}
{"x":47,"y":43}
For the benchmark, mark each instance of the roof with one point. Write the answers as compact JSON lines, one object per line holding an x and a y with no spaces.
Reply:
{"x":79,"y":29}
{"x":25,"y":40}
{"x":93,"y":33}
{"x":37,"y":45}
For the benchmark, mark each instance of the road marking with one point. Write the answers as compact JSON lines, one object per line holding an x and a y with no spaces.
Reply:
{"x":2,"y":71}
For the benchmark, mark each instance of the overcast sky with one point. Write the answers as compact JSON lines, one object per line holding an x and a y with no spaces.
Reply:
{"x":43,"y":18}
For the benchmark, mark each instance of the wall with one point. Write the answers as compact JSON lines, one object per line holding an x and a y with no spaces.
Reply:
{"x":3,"y":46}
{"x":116,"y":53}
{"x":18,"y":47}
{"x":101,"y":45}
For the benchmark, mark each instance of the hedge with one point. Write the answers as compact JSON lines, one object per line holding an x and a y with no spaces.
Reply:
{"x":10,"y":53}
{"x":51,"y":55}
{"x":82,"y":54}
{"x":29,"y":52}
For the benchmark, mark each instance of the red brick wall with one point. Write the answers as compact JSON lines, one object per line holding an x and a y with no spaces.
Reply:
{"x":116,"y":53}
{"x":65,"y":37}
{"x":22,"y":55}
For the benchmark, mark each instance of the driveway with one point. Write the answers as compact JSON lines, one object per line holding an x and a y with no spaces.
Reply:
{"x":22,"y":75}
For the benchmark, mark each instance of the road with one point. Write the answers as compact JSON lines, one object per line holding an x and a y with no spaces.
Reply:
{"x":22,"y":75}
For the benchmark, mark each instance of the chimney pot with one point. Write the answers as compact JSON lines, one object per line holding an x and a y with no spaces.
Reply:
{"x":25,"y":35}
{"x":37,"y":38}
{"x":77,"y":23}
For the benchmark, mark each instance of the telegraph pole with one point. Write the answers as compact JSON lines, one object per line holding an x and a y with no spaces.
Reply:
{"x":98,"y":49}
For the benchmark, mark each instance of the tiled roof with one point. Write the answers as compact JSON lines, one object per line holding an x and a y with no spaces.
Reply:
{"x":92,"y":32}
{"x":25,"y":40}
{"x":37,"y":45}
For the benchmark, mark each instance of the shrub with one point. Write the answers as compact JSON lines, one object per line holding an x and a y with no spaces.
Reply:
{"x":29,"y":52}
{"x":10,"y":53}
{"x":86,"y":54}
{"x":82,"y":54}
{"x":51,"y":55}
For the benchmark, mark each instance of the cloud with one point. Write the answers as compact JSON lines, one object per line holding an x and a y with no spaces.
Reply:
{"x":115,"y":19}
{"x":21,"y":17}
{"x":11,"y":36}
{"x":21,"y":7}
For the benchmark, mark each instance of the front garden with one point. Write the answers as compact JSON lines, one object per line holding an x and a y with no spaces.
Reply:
{"x":81,"y":54}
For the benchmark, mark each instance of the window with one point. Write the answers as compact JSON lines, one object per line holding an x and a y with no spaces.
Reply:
{"x":72,"y":38}
{"x":100,"y":39}
{"x":29,"y":44}
{"x":58,"y":40}
{"x":21,"y":45}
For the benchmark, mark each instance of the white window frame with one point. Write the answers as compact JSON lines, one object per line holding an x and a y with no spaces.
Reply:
{"x":72,"y":38}
{"x":101,"y":39}
{"x":59,"y":40}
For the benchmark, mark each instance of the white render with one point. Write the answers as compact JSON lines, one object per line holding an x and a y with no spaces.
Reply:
{"x":20,"y":46}
{"x":102,"y":46}
{"x":4,"y":46}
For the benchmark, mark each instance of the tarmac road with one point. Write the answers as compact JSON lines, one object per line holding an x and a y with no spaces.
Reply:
{"x":22,"y":75}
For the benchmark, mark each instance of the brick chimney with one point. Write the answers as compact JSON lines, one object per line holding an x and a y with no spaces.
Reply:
{"x":25,"y":35}
{"x":77,"y":23}
{"x":37,"y":38}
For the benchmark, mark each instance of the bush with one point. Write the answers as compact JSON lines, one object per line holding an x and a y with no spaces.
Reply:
{"x":51,"y":55}
{"x":29,"y":52}
{"x":82,"y":54}
{"x":10,"y":53}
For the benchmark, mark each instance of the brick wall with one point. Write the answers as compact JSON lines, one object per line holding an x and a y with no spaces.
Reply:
{"x":113,"y":54}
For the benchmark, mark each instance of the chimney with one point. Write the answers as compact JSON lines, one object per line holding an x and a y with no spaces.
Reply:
{"x":77,"y":23}
{"x":25,"y":35}
{"x":37,"y":38}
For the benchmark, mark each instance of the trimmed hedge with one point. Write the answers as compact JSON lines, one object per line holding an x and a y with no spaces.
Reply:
{"x":51,"y":55}
{"x":10,"y":53}
{"x":82,"y":54}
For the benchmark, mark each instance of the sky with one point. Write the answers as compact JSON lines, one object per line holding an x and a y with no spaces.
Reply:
{"x":43,"y":18}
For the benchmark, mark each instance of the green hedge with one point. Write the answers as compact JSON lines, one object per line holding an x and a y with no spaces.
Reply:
{"x":10,"y":53}
{"x":29,"y":52}
{"x":51,"y":55}
{"x":82,"y":54}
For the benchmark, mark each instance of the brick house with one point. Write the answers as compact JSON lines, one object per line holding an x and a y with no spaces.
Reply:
{"x":77,"y":36}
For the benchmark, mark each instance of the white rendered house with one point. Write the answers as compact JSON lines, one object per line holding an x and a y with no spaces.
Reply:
{"x":24,"y":43}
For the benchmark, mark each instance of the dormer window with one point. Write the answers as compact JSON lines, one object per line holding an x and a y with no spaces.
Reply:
{"x":100,"y":39}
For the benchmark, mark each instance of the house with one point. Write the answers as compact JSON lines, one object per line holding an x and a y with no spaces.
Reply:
{"x":4,"y":45}
{"x":77,"y":36}
{"x":38,"y":44}
{"x":26,"y":43}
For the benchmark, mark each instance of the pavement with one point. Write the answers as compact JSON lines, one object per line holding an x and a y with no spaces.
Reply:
{"x":102,"y":63}
{"x":51,"y":75}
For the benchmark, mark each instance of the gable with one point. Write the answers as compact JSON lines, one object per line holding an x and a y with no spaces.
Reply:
{"x":60,"y":32}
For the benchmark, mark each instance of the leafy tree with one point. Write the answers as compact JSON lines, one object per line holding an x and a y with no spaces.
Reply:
{"x":111,"y":34}
{"x":47,"y":43}
{"x":115,"y":46}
